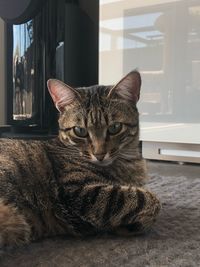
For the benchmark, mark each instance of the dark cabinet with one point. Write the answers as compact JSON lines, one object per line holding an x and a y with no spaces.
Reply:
{"x":47,"y":39}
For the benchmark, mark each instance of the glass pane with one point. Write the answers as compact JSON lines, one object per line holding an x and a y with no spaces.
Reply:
{"x":23,"y":71}
{"x":162,"y":39}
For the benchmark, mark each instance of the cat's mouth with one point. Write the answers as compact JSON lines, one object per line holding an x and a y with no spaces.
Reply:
{"x":103,"y":160}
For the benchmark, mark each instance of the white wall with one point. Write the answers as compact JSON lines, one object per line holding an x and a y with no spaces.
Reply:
{"x":2,"y":74}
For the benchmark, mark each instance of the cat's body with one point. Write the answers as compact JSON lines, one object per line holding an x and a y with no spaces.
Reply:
{"x":87,"y":181}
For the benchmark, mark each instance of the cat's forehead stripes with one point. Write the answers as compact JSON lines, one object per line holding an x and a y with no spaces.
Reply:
{"x":94,"y":96}
{"x":96,"y":118}
{"x":95,"y":105}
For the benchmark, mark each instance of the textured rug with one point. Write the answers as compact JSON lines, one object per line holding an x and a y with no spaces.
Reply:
{"x":173,"y":241}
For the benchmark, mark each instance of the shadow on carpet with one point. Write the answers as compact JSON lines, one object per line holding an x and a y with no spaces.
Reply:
{"x":173,"y":241}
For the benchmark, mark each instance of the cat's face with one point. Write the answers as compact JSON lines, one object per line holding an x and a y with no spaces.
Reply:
{"x":99,"y":122}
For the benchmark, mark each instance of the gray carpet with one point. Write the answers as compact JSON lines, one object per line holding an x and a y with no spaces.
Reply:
{"x":173,"y":241}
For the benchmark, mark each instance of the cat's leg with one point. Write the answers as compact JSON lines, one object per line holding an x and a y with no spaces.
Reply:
{"x":145,"y":214}
{"x":114,"y":208}
{"x":14,"y":230}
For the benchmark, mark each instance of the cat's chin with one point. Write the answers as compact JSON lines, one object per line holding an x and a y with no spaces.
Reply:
{"x":107,"y":161}
{"x":102,"y":163}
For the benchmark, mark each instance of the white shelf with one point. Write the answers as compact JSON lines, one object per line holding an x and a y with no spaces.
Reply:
{"x":184,"y":133}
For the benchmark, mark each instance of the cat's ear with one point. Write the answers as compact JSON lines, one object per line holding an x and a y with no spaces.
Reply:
{"x":61,"y":93}
{"x":128,"y":88}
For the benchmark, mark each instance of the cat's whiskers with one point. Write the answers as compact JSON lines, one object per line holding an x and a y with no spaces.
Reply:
{"x":130,"y":153}
{"x":114,"y":155}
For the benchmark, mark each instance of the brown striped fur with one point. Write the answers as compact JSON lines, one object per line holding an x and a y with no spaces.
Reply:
{"x":78,"y":185}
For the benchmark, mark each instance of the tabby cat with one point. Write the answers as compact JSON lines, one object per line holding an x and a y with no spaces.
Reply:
{"x":86,"y":181}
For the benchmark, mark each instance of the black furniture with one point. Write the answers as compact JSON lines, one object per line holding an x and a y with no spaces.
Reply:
{"x":46,"y":39}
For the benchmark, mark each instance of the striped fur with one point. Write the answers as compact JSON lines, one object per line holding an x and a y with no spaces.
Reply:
{"x":65,"y":185}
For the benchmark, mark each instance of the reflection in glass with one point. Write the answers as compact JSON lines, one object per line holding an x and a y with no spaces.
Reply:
{"x":162,"y":40}
{"x":23,"y":71}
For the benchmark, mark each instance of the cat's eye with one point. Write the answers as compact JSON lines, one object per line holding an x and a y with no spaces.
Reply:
{"x":80,"y":132}
{"x":115,"y":128}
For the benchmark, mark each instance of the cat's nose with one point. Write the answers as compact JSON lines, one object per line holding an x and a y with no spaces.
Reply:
{"x":99,"y":157}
